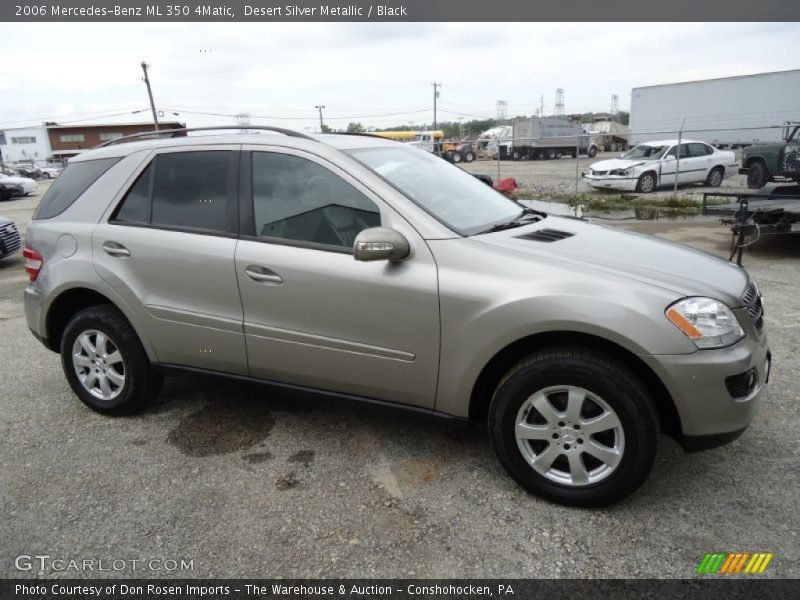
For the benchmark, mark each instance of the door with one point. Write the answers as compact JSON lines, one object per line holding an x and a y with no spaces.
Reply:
{"x":314,"y":316}
{"x":168,"y":249}
{"x":670,"y":166}
{"x":700,"y":161}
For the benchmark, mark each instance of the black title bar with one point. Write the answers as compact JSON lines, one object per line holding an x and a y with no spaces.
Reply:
{"x":399,"y":11}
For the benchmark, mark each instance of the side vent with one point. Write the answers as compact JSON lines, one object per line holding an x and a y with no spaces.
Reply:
{"x":546,"y":235}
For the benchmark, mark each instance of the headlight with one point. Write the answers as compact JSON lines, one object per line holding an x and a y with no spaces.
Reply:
{"x":621,"y":172}
{"x":705,"y":321}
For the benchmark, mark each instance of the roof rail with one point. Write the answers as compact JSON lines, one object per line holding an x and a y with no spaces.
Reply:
{"x":170,"y":133}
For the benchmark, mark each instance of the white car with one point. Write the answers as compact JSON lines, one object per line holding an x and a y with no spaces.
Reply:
{"x":25,"y":185}
{"x":50,"y":172}
{"x":653,"y":164}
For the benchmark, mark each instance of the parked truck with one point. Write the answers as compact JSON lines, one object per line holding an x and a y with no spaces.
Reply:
{"x":549,"y":137}
{"x":770,"y":162}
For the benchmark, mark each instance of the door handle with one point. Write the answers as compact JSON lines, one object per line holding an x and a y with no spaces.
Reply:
{"x":262,"y":275}
{"x":115,"y":249}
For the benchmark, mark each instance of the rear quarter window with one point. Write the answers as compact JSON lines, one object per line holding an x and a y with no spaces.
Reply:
{"x":70,"y":185}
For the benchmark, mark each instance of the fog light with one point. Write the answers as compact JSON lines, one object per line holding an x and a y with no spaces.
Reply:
{"x":742,"y":384}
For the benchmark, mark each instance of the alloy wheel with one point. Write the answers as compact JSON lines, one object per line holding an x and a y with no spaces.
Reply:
{"x":99,"y":365}
{"x":569,"y":435}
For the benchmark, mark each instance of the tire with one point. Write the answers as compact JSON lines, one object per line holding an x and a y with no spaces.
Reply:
{"x":574,"y":154}
{"x":456,"y":157}
{"x":715,"y":177}
{"x":549,"y":154}
{"x":757,"y":176}
{"x":469,"y":156}
{"x":574,"y":477}
{"x":45,"y":175}
{"x":131,"y":381}
{"x":592,"y":151}
{"x":646,"y":183}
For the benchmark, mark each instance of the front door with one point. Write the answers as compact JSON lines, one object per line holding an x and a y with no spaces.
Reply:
{"x":314,"y":316}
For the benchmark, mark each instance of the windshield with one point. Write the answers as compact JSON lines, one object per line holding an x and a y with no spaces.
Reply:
{"x":646,"y":152}
{"x":456,"y":198}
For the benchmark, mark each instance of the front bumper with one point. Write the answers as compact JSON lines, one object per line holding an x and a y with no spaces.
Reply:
{"x":610,"y":182}
{"x":710,"y":416}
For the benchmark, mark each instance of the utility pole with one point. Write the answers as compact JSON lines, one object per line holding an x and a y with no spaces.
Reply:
{"x":150,"y":94}
{"x":319,"y":107}
{"x":436,"y":87}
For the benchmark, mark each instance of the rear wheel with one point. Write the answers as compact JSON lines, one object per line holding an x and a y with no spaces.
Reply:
{"x":469,"y":156}
{"x":456,"y":157}
{"x":757,"y":176}
{"x":592,"y":151}
{"x":646,"y":183}
{"x":105,"y":363}
{"x":574,"y":427}
{"x":715,"y":177}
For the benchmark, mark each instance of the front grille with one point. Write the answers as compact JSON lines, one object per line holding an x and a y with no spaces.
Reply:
{"x":751,"y":300}
{"x":9,"y":239}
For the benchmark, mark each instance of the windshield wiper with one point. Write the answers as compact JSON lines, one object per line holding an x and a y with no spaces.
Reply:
{"x":528,"y":215}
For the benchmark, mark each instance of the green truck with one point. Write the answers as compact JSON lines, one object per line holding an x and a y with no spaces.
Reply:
{"x":767,"y":162}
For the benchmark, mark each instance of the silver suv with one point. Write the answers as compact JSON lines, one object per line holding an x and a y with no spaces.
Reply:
{"x":362,"y":268}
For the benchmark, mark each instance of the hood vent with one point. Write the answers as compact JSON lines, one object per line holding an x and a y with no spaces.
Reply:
{"x":546,"y":235}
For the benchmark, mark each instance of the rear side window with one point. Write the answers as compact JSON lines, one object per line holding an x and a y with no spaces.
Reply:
{"x":185,"y":190}
{"x":70,"y":185}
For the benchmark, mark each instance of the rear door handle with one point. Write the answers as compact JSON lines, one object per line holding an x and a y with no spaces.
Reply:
{"x":262,"y":274}
{"x":115,"y":249}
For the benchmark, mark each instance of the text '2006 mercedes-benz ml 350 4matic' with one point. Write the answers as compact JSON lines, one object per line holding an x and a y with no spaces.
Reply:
{"x":362,"y":268}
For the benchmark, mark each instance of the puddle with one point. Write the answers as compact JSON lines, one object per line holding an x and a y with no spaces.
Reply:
{"x":222,"y":427}
{"x":287,"y":482}
{"x":304,"y":457}
{"x":257,"y":457}
{"x":642,"y":213}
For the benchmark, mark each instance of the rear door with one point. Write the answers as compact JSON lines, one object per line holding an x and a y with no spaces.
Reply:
{"x":700,"y":161}
{"x":167,"y":247}
{"x":313,"y":315}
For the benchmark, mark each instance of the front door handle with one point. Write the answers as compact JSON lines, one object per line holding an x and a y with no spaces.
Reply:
{"x":115,"y":249}
{"x":262,"y":275}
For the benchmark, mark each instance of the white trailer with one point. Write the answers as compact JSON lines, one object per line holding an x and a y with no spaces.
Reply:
{"x":727,"y":112}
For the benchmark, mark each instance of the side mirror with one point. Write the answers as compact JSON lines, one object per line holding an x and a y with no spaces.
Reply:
{"x":380,"y":243}
{"x":669,"y":158}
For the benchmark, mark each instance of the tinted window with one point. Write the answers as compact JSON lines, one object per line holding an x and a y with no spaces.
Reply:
{"x":192,"y":190}
{"x":135,"y":207}
{"x":699,"y":150}
{"x":70,"y":185}
{"x":296,"y":199}
{"x":674,"y":151}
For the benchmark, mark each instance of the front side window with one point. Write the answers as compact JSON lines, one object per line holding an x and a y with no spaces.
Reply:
{"x":673,"y":152}
{"x":184,"y":190}
{"x":297,"y":199}
{"x":456,"y":198}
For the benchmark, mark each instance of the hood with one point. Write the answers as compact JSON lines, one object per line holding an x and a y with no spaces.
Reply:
{"x":644,"y":258}
{"x":15,"y":180}
{"x":617,"y":163}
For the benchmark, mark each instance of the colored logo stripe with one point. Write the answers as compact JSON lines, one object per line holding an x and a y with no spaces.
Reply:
{"x":734,"y":562}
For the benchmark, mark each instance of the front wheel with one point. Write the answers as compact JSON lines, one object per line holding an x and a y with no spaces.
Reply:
{"x":469,"y":157}
{"x":456,"y":157}
{"x":105,"y":363}
{"x":592,"y":151}
{"x":574,"y":427}
{"x":646,"y":183}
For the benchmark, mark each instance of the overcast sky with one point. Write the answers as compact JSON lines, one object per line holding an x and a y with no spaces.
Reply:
{"x":362,"y":72}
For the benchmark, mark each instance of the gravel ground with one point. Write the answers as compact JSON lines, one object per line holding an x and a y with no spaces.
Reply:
{"x":246,"y":483}
{"x":546,"y":178}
